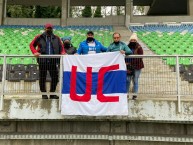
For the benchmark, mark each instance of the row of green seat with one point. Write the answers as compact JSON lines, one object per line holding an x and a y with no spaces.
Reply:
{"x":15,"y":41}
{"x":167,"y":43}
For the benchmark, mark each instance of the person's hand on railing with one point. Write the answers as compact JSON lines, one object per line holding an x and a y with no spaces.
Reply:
{"x":64,"y":53}
{"x":122,"y":51}
{"x":37,"y":54}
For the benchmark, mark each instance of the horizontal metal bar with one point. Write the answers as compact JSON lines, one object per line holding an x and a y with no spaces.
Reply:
{"x":30,"y":93}
{"x":141,"y":56}
{"x":30,"y":56}
{"x":99,"y":137}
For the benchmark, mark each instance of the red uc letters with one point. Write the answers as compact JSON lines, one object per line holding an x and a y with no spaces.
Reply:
{"x":87,"y":96}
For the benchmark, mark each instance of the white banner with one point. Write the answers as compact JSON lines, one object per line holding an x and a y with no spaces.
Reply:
{"x":94,"y":85}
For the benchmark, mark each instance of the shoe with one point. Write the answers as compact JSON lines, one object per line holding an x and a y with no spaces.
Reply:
{"x":44,"y":97}
{"x":54,"y":97}
{"x":134,"y":97}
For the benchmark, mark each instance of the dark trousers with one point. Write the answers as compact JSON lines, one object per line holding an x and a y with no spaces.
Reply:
{"x":52,"y":69}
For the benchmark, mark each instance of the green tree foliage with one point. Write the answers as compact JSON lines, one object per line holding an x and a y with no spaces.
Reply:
{"x":87,"y":11}
{"x":47,"y":12}
{"x":76,"y":11}
{"x":38,"y":12}
{"x":139,"y":10}
{"x":98,"y":12}
{"x":120,"y":10}
{"x":19,"y":11}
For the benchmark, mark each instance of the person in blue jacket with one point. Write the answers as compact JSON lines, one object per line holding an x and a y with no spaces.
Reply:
{"x":90,"y":45}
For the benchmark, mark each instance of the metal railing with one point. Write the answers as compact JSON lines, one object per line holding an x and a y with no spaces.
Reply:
{"x":20,"y":76}
{"x":161,"y":76}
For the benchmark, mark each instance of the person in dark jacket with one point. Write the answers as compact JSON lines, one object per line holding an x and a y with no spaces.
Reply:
{"x":47,"y":44}
{"x":69,"y":48}
{"x":135,"y":63}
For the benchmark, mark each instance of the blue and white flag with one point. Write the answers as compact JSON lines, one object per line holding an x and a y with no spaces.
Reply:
{"x":94,"y":85}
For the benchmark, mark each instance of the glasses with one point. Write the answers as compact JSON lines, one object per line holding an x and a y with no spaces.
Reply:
{"x":116,"y":37}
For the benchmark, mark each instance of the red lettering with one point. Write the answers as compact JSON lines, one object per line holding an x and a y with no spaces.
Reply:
{"x":87,"y":96}
{"x":100,"y":96}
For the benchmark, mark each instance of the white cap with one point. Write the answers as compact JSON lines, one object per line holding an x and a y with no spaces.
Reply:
{"x":133,"y":36}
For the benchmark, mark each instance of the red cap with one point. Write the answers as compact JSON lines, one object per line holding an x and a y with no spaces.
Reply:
{"x":48,"y":25}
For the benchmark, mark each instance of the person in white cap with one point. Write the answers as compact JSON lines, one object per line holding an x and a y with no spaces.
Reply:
{"x":134,"y":65}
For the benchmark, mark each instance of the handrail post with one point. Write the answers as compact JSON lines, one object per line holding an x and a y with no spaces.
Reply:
{"x":60,"y":82}
{"x":178,"y":84}
{"x":3,"y":83}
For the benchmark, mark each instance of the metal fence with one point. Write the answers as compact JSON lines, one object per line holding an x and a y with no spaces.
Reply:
{"x":162,"y":76}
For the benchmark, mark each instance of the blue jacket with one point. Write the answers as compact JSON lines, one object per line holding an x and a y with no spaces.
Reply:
{"x":84,"y":48}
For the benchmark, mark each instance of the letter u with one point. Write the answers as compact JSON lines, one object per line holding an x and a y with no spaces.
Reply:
{"x":87,"y":96}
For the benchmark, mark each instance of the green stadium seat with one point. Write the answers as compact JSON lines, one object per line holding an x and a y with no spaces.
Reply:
{"x":171,"y":61}
{"x":5,"y":51}
{"x":29,"y":60}
{"x":184,"y":61}
{"x":1,"y":60}
{"x":19,"y":44}
{"x":16,"y":60}
{"x":14,"y":51}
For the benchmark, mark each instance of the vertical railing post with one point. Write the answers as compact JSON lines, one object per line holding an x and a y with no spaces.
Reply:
{"x":61,"y":82}
{"x":178,"y":84}
{"x":3,"y":83}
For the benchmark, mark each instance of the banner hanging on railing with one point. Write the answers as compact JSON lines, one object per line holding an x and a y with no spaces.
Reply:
{"x":94,"y":85}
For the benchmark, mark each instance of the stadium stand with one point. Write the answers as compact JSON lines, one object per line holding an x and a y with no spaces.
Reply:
{"x":162,"y":114}
{"x":163,"y":39}
{"x":32,"y":76}
{"x":16,"y":39}
{"x":171,"y":40}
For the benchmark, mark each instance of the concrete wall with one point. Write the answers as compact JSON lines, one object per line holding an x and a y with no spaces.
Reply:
{"x":95,"y":127}
{"x":140,"y":110}
{"x":64,"y":12}
{"x":127,"y":12}
{"x":72,"y":2}
{"x":93,"y":132}
{"x":160,"y":19}
{"x":83,"y":142}
{"x":1,"y":11}
{"x":110,"y":20}
{"x":29,"y":21}
{"x":190,"y":7}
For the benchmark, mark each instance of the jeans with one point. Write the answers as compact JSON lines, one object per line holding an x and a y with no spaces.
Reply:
{"x":52,"y":68}
{"x":135,"y":80}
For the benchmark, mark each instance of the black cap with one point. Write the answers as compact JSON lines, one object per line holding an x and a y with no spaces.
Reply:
{"x":90,"y":32}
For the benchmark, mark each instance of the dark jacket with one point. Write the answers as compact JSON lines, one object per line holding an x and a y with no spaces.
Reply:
{"x":70,"y":51}
{"x":40,"y":41}
{"x":137,"y":63}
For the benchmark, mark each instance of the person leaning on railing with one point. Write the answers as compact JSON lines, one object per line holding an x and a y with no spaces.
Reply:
{"x":134,"y":65}
{"x":90,"y":45}
{"x":118,"y":45}
{"x":47,"y":44}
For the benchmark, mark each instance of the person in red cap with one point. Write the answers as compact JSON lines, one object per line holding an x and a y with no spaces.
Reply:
{"x":47,"y":44}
